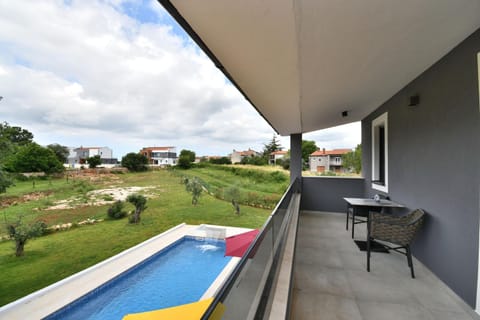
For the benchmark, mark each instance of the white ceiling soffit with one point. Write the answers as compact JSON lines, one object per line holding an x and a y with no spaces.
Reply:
{"x":302,"y":62}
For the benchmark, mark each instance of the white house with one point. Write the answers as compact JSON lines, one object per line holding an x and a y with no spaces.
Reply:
{"x":274,"y":156}
{"x":78,"y":156}
{"x":327,"y":160}
{"x":160,"y":156}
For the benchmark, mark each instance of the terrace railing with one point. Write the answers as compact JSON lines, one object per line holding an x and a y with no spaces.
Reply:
{"x":246,"y":292}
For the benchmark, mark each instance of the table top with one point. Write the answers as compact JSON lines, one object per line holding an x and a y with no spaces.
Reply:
{"x":368,"y":202}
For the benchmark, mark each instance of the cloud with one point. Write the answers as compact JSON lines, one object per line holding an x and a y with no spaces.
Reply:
{"x":344,"y":136}
{"x":120,"y":74}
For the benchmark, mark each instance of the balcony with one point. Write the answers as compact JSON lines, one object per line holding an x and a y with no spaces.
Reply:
{"x":304,"y":265}
{"x":331,"y":281}
{"x":401,"y":141}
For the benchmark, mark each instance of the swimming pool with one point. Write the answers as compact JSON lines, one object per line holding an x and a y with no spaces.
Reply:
{"x":178,"y":274}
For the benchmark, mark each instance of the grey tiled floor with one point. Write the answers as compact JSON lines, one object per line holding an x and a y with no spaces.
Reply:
{"x":331,"y":281}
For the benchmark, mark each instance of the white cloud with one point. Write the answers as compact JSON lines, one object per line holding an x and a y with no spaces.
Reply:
{"x":344,"y":136}
{"x":85,"y":73}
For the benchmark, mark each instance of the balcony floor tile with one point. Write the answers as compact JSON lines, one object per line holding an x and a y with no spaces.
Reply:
{"x":331,"y":281}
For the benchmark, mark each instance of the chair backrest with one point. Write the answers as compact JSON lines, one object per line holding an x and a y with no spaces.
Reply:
{"x":416,"y":216}
{"x":399,"y":230}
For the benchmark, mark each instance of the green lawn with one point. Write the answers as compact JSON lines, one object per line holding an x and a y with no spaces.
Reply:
{"x":258,"y":187}
{"x":53,"y":257}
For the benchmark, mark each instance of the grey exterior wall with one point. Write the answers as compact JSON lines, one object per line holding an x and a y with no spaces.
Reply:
{"x":327,"y":193}
{"x":434,"y":163}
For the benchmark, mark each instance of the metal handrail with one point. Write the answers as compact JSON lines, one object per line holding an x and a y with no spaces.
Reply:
{"x":230,"y":281}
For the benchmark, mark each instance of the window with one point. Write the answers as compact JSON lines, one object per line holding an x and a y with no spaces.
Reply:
{"x":478,"y":66}
{"x":380,"y":153}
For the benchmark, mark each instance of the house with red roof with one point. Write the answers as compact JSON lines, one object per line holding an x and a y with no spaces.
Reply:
{"x":160,"y":156}
{"x":275,"y":155}
{"x":237,"y":156}
{"x":327,"y":160}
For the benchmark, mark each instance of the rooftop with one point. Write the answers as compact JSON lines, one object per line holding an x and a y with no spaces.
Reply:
{"x":330,"y":152}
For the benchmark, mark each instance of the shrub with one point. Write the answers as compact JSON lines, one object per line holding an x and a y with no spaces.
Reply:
{"x":184,"y":162}
{"x":135,"y":162}
{"x":94,"y":161}
{"x":83,"y":186}
{"x":116,"y":210}
{"x":34,"y":158}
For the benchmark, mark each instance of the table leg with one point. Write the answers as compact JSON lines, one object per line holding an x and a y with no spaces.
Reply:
{"x":353,"y":220}
{"x":348,"y":214}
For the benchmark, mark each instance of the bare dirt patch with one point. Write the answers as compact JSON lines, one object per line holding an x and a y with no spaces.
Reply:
{"x":93,"y":176}
{"x":103,"y":196}
{"x":33,"y":196}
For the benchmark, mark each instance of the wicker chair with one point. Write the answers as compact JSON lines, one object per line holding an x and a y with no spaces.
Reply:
{"x":398,"y":231}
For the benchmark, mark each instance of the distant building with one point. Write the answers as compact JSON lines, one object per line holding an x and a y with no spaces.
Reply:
{"x":160,"y":156}
{"x":327,"y":160}
{"x":274,"y":156}
{"x":237,"y":156}
{"x":78,"y":156}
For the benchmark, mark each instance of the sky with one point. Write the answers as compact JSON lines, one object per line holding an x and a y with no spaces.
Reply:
{"x":123,"y":74}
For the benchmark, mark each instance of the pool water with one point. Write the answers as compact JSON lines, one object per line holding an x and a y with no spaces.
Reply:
{"x":176,"y":275}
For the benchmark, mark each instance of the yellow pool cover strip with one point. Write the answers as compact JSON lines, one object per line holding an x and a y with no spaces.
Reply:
{"x":191,"y":311}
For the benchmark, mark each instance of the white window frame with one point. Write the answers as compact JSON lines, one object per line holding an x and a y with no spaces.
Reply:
{"x":477,"y":309}
{"x":380,"y":121}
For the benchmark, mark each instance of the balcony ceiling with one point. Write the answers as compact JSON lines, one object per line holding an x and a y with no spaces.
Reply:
{"x":302,"y":62}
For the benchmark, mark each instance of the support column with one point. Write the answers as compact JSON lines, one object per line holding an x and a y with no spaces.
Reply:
{"x":296,"y":162}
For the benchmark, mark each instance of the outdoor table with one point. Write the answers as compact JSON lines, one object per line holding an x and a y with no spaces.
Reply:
{"x":372,"y":205}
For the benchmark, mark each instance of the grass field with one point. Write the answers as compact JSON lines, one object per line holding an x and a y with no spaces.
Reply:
{"x":53,"y":257}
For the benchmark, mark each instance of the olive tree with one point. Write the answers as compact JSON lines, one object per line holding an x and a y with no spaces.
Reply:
{"x":195,"y":188}
{"x":232,"y":194}
{"x":21,"y":232}
{"x":140,"y":203}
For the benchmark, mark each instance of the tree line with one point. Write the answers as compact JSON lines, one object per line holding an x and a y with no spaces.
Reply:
{"x":19,"y":153}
